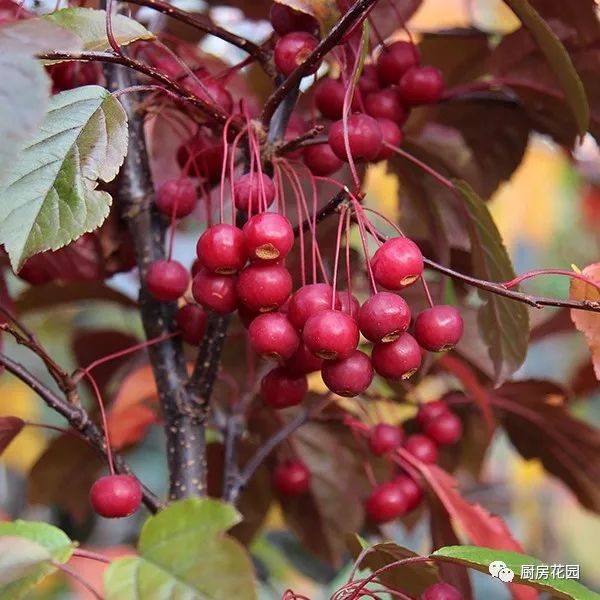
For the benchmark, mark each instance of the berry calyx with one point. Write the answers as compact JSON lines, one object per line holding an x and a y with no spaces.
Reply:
{"x":222,"y":249}
{"x":441,"y":591}
{"x":397,"y":263}
{"x":384,"y":438}
{"x":269,"y":237}
{"x":444,"y":429}
{"x":331,"y":334}
{"x":308,"y":300}
{"x":176,"y":196}
{"x":116,"y":496}
{"x":430,"y":410}
{"x":383,"y":317}
{"x":253,"y":191}
{"x":291,"y":478}
{"x":412,"y":491}
{"x":439,"y":328}
{"x":273,"y":337}
{"x":422,"y":448}
{"x":264,"y":287}
{"x":397,"y":360}
{"x":303,"y":361}
{"x":321,"y":160}
{"x":386,"y":503}
{"x":215,"y":292}
{"x":395,"y":60}
{"x":421,"y":85}
{"x":285,"y":19}
{"x":191,"y":321}
{"x":167,"y":280}
{"x":364,"y":138}
{"x":386,"y":104}
{"x":292,"y":50}
{"x":279,"y":388}
{"x":349,"y":376}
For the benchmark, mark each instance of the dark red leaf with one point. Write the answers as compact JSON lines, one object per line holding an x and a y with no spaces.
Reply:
{"x":10,"y":427}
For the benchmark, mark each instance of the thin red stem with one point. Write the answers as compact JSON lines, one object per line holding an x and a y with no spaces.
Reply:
{"x":81,"y":553}
{"x":530,"y":274}
{"x":336,"y":262}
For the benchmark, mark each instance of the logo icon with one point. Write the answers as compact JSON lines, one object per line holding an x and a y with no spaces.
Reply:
{"x":499,"y":570}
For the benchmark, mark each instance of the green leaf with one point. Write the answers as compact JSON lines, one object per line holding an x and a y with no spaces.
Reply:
{"x":184,"y":554}
{"x":481,"y":558}
{"x":27,"y":551}
{"x":49,"y":195}
{"x":90,"y":25}
{"x":25,"y":88}
{"x":558,"y":59}
{"x":504,"y":323}
{"x":32,"y":36}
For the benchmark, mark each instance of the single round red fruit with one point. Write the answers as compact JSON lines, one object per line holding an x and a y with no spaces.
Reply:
{"x":269,"y":237}
{"x":321,"y":161}
{"x":349,"y":304}
{"x":439,"y":328}
{"x":392,"y":135}
{"x":303,"y":361}
{"x":329,"y":98}
{"x":349,"y":376}
{"x":386,"y":503}
{"x":430,"y":410}
{"x":202,"y":156}
{"x":209,"y":90}
{"x":167,"y":280}
{"x":413,"y":492}
{"x":383,"y":317}
{"x":331,"y":334}
{"x":396,"y":360}
{"x":280,"y":389}
{"x":422,"y":448}
{"x":191,"y":321}
{"x":384,"y":438}
{"x":397,"y":263}
{"x":285,"y":19}
{"x":215,"y":292}
{"x":395,"y":60}
{"x":253,"y":192}
{"x":292,"y":50}
{"x":264,"y":287}
{"x":309,"y":300}
{"x":441,"y":591}
{"x":222,"y":249}
{"x":273,"y":337}
{"x":386,"y":104}
{"x":291,"y":478}
{"x":444,"y":429}
{"x":116,"y":496}
{"x":364,"y":138}
{"x":421,"y":85}
{"x":176,"y":196}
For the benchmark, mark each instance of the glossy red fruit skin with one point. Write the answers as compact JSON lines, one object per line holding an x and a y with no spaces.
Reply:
{"x":364,"y":136}
{"x":369,"y":81}
{"x":331,"y":334}
{"x":280,"y":389}
{"x":116,"y":496}
{"x":349,"y":376}
{"x":191,"y":321}
{"x":391,"y":134}
{"x":397,"y":263}
{"x":329,"y":98}
{"x":430,"y":410}
{"x":444,"y":429}
{"x":422,"y":448}
{"x":269,"y":237}
{"x":273,"y":337}
{"x":439,"y":328}
{"x":291,"y":478}
{"x":264,"y":287}
{"x":292,"y":50}
{"x":303,"y":361}
{"x":215,"y":292}
{"x":441,"y":591}
{"x":286,"y":20}
{"x":222,"y":249}
{"x":386,"y":104}
{"x":202,"y":155}
{"x":321,"y":161}
{"x":421,"y":85}
{"x":252,"y":192}
{"x":308,"y":300}
{"x":383,"y":317}
{"x":176,"y":196}
{"x":395,"y":61}
{"x":167,"y":280}
{"x":398,"y":359}
{"x":349,"y":304}
{"x":384,"y":438}
{"x":386,"y":503}
{"x":413,"y":492}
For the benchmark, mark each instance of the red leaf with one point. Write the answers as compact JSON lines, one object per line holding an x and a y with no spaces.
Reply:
{"x":10,"y":427}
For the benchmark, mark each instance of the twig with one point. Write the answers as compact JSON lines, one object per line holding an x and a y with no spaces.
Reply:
{"x":327,"y":210}
{"x":300,"y":141}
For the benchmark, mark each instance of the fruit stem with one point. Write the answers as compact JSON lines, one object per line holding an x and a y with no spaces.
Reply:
{"x":336,"y":262}
{"x":427,"y":292}
{"x":81,"y":553}
{"x":59,"y":429}
{"x":530,"y":274}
